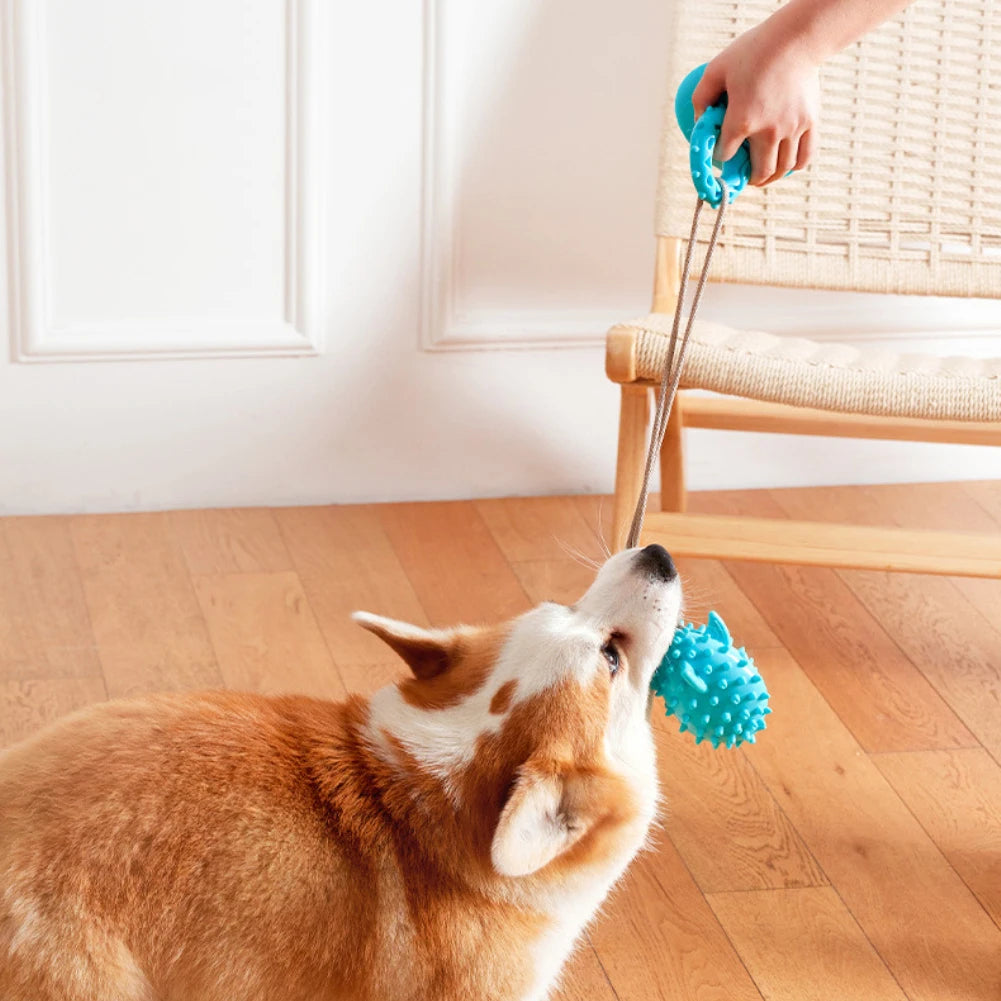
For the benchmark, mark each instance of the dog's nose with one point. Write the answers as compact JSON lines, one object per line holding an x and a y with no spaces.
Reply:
{"x":656,"y":561}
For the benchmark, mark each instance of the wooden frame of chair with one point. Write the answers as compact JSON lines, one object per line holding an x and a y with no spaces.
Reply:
{"x":763,"y":539}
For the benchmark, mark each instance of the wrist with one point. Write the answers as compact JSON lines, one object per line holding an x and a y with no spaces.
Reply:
{"x":805,"y":31}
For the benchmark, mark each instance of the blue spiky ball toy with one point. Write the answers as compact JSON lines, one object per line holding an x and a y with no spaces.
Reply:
{"x":712,"y":686}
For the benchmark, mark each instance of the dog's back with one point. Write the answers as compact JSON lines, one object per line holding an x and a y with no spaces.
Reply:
{"x":138,"y":831}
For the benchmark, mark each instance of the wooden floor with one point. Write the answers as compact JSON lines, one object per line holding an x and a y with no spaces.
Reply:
{"x":853,"y":853}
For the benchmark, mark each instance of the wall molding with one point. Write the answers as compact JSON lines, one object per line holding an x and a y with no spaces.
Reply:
{"x":443,"y":327}
{"x":34,"y":338}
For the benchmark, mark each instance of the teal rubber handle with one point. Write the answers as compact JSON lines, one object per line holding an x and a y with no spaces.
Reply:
{"x":702,"y":136}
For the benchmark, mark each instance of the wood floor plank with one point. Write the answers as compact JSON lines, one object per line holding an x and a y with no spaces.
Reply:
{"x":541,"y":528}
{"x":801,"y":945}
{"x":936,"y":506}
{"x":905,"y":895}
{"x":27,"y":706}
{"x":987,"y":493}
{"x":930,"y":618}
{"x":954,"y":647}
{"x":842,"y":647}
{"x":658,"y":940}
{"x":453,"y":562}
{"x":596,"y":510}
{"x":265,"y":635}
{"x":45,"y":629}
{"x":551,"y":547}
{"x":563,"y":581}
{"x":146,"y":619}
{"x":722,"y":818}
{"x":944,"y":505}
{"x":584,"y":978}
{"x":230,"y":540}
{"x":708,"y":585}
{"x":554,"y":545}
{"x":346,"y":563}
{"x":956,"y":795}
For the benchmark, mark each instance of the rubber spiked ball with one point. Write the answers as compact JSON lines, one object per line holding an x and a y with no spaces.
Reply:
{"x":711,"y":686}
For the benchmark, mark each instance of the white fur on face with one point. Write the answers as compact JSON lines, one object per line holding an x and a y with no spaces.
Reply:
{"x":626,"y":599}
{"x":641,"y":612}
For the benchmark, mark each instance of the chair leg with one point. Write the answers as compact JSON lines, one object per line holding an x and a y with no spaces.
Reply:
{"x":672,"y":460}
{"x":634,"y":415}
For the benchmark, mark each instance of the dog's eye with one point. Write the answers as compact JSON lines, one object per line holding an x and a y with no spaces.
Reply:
{"x":611,"y":654}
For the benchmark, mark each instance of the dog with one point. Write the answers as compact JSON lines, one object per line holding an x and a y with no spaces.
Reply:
{"x":447,"y":839}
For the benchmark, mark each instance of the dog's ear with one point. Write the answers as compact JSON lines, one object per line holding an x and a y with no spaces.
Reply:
{"x":428,"y":652}
{"x":538,"y":823}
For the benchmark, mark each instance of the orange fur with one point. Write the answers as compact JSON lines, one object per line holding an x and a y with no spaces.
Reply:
{"x":469,"y":657}
{"x":502,"y":698}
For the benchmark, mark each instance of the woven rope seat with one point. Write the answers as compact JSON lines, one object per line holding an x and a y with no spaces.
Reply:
{"x":826,"y":376}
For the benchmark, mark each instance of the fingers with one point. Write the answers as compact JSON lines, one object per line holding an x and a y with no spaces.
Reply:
{"x":709,"y":89}
{"x":785,"y":159}
{"x":732,"y":133}
{"x":807,"y":143}
{"x":764,"y":157}
{"x":780,"y":139}
{"x":779,"y":157}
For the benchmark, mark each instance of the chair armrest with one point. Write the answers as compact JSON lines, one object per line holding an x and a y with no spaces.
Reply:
{"x":620,"y":354}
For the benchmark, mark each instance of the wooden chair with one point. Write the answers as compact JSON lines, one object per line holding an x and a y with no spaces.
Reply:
{"x":903,"y":199}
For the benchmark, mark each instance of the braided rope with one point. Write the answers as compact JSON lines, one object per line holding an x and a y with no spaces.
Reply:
{"x":675,"y":361}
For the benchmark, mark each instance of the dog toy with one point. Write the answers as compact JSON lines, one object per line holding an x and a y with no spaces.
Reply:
{"x":711,"y":686}
{"x":702,"y":136}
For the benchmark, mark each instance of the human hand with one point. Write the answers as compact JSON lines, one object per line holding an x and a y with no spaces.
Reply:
{"x":773,"y":100}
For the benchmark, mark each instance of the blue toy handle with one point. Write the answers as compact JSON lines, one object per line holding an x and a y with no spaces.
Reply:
{"x":702,"y":136}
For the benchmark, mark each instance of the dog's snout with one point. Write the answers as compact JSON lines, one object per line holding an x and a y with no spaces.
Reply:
{"x":656,"y":561}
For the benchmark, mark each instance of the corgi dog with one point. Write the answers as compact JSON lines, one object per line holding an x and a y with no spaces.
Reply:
{"x":447,"y":839}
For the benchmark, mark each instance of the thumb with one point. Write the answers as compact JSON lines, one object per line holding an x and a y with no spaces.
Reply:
{"x":709,"y":89}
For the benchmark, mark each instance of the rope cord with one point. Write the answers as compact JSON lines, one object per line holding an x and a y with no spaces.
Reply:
{"x":676,"y":355}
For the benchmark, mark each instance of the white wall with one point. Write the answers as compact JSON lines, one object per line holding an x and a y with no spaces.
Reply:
{"x":218,"y":217}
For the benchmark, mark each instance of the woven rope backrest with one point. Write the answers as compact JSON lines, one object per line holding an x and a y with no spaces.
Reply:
{"x":904,"y":194}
